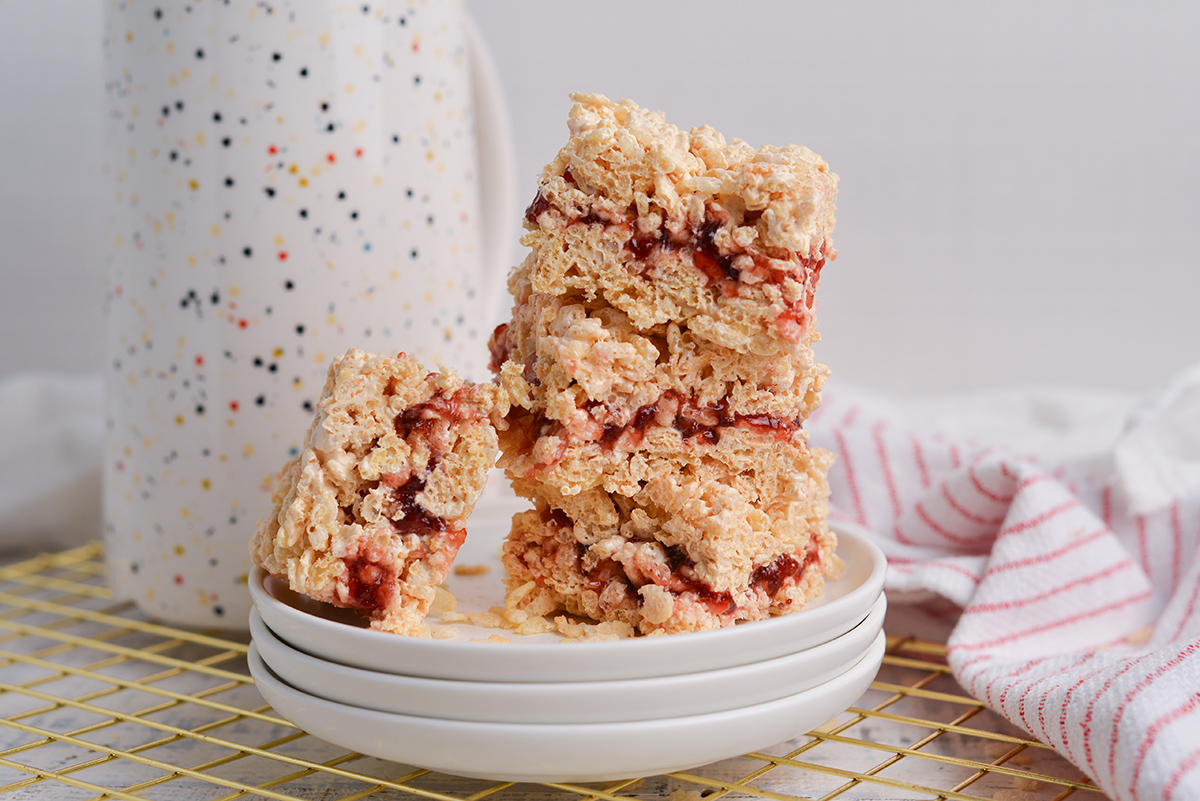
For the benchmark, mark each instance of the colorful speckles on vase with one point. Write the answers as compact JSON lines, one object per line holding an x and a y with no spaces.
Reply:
{"x":288,"y":180}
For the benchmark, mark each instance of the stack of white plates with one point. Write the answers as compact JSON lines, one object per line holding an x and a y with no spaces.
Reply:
{"x":539,"y":709}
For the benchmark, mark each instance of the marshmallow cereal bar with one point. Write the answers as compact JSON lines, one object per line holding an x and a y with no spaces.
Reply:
{"x":371,"y":514}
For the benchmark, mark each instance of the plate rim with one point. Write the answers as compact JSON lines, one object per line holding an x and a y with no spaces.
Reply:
{"x":420,"y":655}
{"x":788,"y":717}
{"x":546,"y":702}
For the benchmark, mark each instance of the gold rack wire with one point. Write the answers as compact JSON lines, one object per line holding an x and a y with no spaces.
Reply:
{"x":97,"y":701}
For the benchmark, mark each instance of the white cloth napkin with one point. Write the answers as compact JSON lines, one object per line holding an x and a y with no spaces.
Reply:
{"x":1066,"y":526}
{"x":51,"y":439}
{"x":1158,"y":456}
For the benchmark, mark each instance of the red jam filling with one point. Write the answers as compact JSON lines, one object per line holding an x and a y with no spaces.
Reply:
{"x":537,"y":208}
{"x":702,"y":423}
{"x":709,"y":258}
{"x":369,"y":585}
{"x":499,"y":347}
{"x":416,"y":519}
{"x":690,"y":420}
{"x":424,"y":418}
{"x":770,"y":578}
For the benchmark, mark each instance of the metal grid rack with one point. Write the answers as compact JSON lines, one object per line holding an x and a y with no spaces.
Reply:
{"x":97,"y":701}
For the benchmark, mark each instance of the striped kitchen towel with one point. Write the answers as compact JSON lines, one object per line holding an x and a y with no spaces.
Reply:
{"x":1066,"y":526}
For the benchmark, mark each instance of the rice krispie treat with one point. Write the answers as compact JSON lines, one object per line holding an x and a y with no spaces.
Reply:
{"x":710,"y":544}
{"x":667,"y":225}
{"x":655,"y":587}
{"x":590,"y":388}
{"x":658,"y":360}
{"x":373,"y":511}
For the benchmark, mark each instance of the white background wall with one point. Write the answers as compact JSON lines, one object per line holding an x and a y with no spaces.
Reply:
{"x":1020,"y":181}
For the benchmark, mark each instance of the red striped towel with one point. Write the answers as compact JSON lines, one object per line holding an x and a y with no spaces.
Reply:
{"x":1080,"y":618}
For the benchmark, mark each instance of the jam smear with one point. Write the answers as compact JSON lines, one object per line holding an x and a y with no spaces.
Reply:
{"x":694,"y":421}
{"x":367,"y":583}
{"x":417,"y":519}
{"x":637,"y":426}
{"x":538,"y":207}
{"x":612,"y":432}
{"x":415,"y":420}
{"x":708,"y":257}
{"x":641,"y":246}
{"x":690,"y":427}
{"x":677,"y":557}
{"x":703,"y":423}
{"x":719,"y":603}
{"x":771,"y":577}
{"x":424,"y":418}
{"x":603,"y":574}
{"x":499,"y":346}
{"x":558,"y":517}
{"x":540,"y":204}
{"x":765,"y":421}
{"x":591,"y":218}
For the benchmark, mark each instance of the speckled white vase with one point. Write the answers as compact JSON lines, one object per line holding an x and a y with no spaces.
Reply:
{"x":288,"y":179}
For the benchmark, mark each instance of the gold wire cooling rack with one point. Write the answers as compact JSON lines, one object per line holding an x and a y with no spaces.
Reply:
{"x":97,"y":701}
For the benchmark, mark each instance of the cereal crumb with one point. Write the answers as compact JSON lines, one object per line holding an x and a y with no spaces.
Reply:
{"x":1141,"y":636}
{"x":491,"y":619}
{"x":535,"y":625}
{"x":471,"y":570}
{"x":578,"y":630}
{"x":679,"y":794}
{"x":1013,"y":795}
{"x":515,"y":596}
{"x":515,"y":616}
{"x":444,"y":632}
{"x":443,"y":601}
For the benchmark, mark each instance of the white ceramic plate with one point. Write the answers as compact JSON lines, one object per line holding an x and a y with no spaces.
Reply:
{"x":569,"y":702}
{"x":580,"y":752}
{"x":339,"y":635}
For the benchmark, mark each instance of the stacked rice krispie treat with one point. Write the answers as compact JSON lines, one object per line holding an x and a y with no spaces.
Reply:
{"x":659,"y":364}
{"x":371,"y":514}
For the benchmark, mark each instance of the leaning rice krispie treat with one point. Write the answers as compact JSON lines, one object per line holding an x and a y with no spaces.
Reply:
{"x":668,"y":225}
{"x":373,"y":511}
{"x":658,"y":360}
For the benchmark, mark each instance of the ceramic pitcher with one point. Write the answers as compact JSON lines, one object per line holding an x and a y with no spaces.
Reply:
{"x":287,"y":179}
